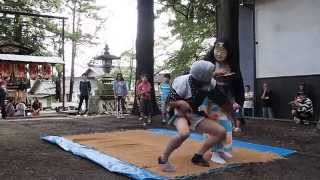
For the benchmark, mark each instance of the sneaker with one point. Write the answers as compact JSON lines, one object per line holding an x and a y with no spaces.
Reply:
{"x":197,"y":159}
{"x":149,"y":121}
{"x":78,"y":115}
{"x":216,"y":158}
{"x":86,"y":115}
{"x":144,"y":124}
{"x":164,"y":121}
{"x":166,"y":166}
{"x":140,"y":118}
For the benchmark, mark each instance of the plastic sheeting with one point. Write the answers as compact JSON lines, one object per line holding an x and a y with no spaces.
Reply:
{"x":110,"y":163}
{"x":115,"y":165}
{"x":236,"y":143}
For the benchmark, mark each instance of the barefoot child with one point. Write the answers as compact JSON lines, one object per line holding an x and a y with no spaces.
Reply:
{"x":221,"y":152}
{"x":144,"y":91}
{"x":164,"y":93}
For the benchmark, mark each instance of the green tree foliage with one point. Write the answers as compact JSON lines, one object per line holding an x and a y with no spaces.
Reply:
{"x":193,"y":22}
{"x":30,"y":31}
{"x":81,"y":10}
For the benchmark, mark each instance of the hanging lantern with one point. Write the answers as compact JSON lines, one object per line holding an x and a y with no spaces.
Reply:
{"x":1,"y":69}
{"x":20,"y":71}
{"x":46,"y":70}
{"x":33,"y":70}
{"x":7,"y":70}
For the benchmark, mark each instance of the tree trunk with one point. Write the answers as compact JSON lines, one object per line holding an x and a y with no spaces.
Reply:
{"x":73,"y":53}
{"x":228,"y":30}
{"x":144,"y":46}
{"x":17,"y":29}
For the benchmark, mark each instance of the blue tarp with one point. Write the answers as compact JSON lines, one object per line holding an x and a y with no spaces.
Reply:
{"x":130,"y":170}
{"x":236,"y":143}
{"x":110,"y":163}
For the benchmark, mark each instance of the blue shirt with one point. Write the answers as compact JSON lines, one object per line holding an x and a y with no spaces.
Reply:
{"x":164,"y":91}
{"x":120,"y":88}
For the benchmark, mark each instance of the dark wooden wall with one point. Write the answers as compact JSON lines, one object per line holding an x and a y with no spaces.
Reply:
{"x":285,"y":88}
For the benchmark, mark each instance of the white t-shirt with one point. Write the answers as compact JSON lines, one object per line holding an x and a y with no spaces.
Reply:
{"x":182,"y":86}
{"x":248,"y":103}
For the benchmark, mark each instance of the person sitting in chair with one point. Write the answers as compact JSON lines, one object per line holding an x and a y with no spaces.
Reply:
{"x":302,"y":108}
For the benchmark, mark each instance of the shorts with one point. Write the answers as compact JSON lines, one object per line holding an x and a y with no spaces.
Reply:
{"x":163,"y":107}
{"x":194,"y":120}
{"x":146,"y":107}
{"x":226,"y":124}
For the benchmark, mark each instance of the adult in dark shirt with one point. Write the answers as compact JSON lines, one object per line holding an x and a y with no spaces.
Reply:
{"x":3,"y":95}
{"x":85,"y":89}
{"x":266,"y":99}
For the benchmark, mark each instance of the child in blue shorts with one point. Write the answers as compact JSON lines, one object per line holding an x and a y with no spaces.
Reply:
{"x":221,"y":152}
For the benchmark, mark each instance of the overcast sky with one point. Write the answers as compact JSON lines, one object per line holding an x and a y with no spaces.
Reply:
{"x":119,"y":33}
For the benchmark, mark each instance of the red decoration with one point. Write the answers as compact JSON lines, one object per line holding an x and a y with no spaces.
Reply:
{"x":33,"y":70}
{"x":20,"y":71}
{"x":6,"y":70}
{"x":46,"y":69}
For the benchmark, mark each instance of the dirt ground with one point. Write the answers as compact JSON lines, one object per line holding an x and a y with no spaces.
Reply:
{"x":24,"y":156}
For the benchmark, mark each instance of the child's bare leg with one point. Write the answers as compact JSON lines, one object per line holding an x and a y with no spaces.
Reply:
{"x":183,"y":133}
{"x":214,"y":130}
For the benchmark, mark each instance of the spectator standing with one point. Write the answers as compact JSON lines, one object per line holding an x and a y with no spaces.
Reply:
{"x":3,"y":96}
{"x":120,"y":92}
{"x":248,"y":102}
{"x":85,"y":90}
{"x":144,"y":91}
{"x":164,"y":93}
{"x":266,"y":102}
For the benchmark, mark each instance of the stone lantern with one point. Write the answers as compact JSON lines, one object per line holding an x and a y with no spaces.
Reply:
{"x":103,"y":93}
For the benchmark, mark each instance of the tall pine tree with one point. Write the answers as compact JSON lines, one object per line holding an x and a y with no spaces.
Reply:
{"x":145,"y":45}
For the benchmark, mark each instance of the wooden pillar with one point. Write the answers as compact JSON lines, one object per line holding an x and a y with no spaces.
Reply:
{"x":64,"y":68}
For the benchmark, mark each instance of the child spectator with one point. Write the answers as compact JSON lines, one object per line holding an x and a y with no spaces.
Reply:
{"x":221,"y":152}
{"x":144,"y":91}
{"x":164,"y":93}
{"x":120,"y":92}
